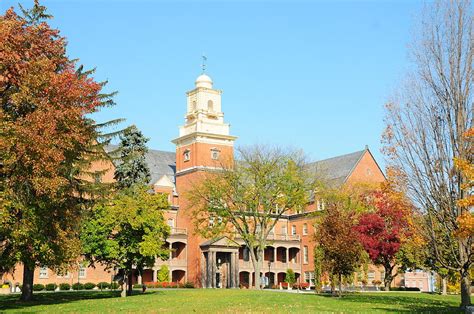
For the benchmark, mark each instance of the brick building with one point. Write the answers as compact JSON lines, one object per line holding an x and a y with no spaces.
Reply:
{"x":204,"y":142}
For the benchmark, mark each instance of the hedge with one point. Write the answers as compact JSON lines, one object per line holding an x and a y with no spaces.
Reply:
{"x":103,"y":285}
{"x":114,"y":285}
{"x":38,"y":287}
{"x":77,"y":286}
{"x":64,"y":286}
{"x":89,"y":285}
{"x":51,"y":286}
{"x":404,"y":289}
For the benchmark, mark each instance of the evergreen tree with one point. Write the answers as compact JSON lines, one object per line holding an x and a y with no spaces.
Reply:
{"x":132,"y":168}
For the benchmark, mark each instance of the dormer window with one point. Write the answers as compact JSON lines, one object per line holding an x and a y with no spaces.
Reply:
{"x":187,"y":155}
{"x":215,"y":152}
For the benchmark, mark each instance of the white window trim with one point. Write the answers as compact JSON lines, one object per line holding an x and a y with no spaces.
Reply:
{"x":187,"y":155}
{"x":84,"y":275}
{"x":43,"y":273}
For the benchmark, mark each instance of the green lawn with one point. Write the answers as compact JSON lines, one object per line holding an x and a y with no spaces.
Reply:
{"x":229,"y":301}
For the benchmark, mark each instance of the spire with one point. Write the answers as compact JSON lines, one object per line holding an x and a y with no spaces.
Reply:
{"x":203,"y":64}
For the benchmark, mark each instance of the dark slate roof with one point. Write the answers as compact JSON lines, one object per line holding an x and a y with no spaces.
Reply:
{"x":159,"y":162}
{"x":337,"y":169}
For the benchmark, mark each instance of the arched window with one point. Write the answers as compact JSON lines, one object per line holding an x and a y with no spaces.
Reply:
{"x":210,"y":105}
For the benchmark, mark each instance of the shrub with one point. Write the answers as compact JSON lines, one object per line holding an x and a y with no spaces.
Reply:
{"x":114,"y":285}
{"x":172,"y":285}
{"x":77,"y":286}
{"x":164,"y":274}
{"x":137,"y":286}
{"x":404,"y":289}
{"x":376,"y":282}
{"x":103,"y":285}
{"x":302,"y":285}
{"x":64,"y":286}
{"x":38,"y":287}
{"x":188,"y":285}
{"x":290,"y":277}
{"x":89,"y":285}
{"x":51,"y":286}
{"x":284,"y":284}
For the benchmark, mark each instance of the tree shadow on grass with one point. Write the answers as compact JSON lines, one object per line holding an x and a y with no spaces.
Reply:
{"x":12,"y":302}
{"x":399,"y":303}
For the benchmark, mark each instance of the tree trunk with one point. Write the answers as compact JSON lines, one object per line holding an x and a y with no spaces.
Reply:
{"x":444,"y":290}
{"x":256,"y":263}
{"x":27,"y":289}
{"x":333,"y":284}
{"x":387,"y":281}
{"x":130,"y":281}
{"x":465,"y":289}
{"x":340,"y":285}
{"x":123,"y":294}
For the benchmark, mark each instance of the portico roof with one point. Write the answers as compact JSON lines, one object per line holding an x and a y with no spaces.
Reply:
{"x":222,"y":241}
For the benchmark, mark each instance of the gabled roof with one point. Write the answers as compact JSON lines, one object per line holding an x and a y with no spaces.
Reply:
{"x":160,"y":163}
{"x":336,"y":170}
{"x":220,"y":241}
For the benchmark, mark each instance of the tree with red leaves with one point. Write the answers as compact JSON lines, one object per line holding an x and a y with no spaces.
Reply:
{"x":382,"y":231}
{"x":47,"y":145}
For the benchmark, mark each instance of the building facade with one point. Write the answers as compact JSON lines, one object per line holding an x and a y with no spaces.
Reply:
{"x":205,"y":144}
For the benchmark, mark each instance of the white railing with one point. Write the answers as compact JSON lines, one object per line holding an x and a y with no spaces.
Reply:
{"x":179,"y":231}
{"x":284,"y":237}
{"x":274,"y":266}
{"x":279,"y":237}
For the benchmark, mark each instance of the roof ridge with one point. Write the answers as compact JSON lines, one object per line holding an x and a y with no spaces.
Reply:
{"x":339,"y":156}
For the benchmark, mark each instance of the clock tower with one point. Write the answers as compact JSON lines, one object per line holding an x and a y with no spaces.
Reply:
{"x":204,"y":142}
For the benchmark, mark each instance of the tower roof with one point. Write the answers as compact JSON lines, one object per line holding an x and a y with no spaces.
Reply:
{"x":203,"y":81}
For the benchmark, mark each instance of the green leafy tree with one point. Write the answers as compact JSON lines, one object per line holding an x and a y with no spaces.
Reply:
{"x":48,"y":145}
{"x":290,"y":277}
{"x":247,"y":197}
{"x":128,"y":230}
{"x":132,"y":167}
{"x":164,"y":274}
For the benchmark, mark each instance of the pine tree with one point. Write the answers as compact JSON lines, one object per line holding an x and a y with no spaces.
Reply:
{"x":132,"y":168}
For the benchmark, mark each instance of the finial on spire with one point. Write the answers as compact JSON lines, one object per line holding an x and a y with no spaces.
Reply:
{"x":203,"y":65}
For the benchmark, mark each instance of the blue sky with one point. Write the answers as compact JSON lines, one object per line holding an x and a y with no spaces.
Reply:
{"x":305,"y":74}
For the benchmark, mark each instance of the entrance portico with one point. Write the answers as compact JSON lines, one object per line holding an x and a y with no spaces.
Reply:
{"x":220,"y":263}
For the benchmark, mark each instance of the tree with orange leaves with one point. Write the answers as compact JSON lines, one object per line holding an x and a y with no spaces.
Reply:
{"x":47,"y":145}
{"x":466,"y":219}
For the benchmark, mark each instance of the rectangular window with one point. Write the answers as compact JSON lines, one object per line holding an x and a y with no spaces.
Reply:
{"x":305,"y":254}
{"x":305,"y":229}
{"x":309,"y":277}
{"x":187,"y":155}
{"x":171,"y":222}
{"x":371,"y":276}
{"x":293,"y":230}
{"x":82,"y":272}
{"x":215,"y":153}
{"x":246,"y":254}
{"x":283,"y":230}
{"x":43,"y":272}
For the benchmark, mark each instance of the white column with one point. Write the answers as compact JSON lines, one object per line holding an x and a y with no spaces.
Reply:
{"x":287,"y":257}
{"x":274,"y":254}
{"x":139,"y":279}
{"x":155,"y":275}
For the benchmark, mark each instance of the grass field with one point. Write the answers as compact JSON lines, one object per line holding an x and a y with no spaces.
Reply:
{"x":229,"y":301}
